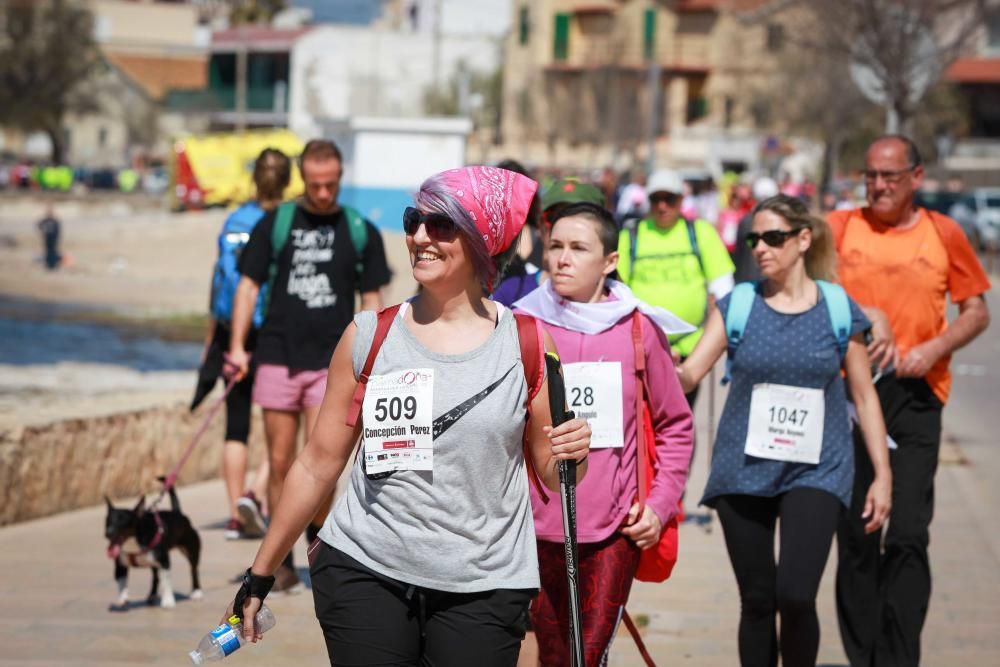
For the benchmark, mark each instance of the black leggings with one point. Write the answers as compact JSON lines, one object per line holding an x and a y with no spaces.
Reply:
{"x":239,"y":401}
{"x":369,"y":619}
{"x":808,"y":520}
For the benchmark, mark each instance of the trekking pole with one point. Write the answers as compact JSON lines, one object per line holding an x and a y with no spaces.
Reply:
{"x":711,"y":437}
{"x":567,"y":494}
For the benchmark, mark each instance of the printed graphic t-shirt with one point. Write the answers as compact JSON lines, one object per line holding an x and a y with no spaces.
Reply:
{"x":908,"y":274}
{"x":313,"y":295}
{"x":667,"y":273}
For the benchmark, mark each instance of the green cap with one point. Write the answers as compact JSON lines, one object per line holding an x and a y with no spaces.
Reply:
{"x":571,"y":191}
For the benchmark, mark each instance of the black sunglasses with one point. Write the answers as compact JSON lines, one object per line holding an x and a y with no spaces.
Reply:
{"x":774,"y":237}
{"x":668,"y":198}
{"x":439,"y":227}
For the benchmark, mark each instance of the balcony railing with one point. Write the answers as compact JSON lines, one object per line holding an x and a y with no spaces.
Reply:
{"x":258,"y":98}
{"x":684,"y":51}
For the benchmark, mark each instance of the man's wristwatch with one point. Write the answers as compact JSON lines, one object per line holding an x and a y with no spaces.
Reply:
{"x":252,"y":586}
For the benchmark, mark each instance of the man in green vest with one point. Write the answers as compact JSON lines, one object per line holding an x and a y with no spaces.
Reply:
{"x":678,"y":264}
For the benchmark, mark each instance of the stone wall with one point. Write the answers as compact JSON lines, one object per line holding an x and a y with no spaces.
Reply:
{"x":73,"y":463}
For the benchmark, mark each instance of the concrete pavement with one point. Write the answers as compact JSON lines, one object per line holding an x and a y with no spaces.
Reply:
{"x":58,"y":582}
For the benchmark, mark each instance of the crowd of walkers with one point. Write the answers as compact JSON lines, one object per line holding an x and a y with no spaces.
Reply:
{"x":448,"y":545}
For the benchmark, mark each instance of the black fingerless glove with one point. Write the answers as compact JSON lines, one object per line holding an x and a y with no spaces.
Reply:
{"x":253,"y":586}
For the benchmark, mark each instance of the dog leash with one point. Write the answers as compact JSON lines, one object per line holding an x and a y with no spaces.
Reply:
{"x":171,"y":479}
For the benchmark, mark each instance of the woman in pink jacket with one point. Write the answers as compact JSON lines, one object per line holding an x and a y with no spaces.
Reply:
{"x":590,"y":317}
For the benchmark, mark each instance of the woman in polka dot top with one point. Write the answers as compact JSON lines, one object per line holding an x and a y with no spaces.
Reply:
{"x":784,"y":448}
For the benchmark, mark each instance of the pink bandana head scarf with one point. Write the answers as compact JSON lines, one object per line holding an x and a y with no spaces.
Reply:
{"x":497,"y":200}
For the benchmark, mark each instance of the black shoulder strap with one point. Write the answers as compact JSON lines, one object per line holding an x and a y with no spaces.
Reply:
{"x":693,"y":238}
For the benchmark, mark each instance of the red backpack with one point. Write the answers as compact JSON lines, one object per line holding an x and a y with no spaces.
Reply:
{"x":657,"y":562}
{"x":529,"y":334}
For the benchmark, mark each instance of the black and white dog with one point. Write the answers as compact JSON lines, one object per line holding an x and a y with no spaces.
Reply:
{"x":140,"y":538}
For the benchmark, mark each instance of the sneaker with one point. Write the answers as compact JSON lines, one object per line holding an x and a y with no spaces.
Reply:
{"x":254,"y":524}
{"x":286,"y":581}
{"x":234,"y":530}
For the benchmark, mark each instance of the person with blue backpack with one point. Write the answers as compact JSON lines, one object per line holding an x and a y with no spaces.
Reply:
{"x":271,"y":175}
{"x":784,"y":448}
{"x":310,"y":258}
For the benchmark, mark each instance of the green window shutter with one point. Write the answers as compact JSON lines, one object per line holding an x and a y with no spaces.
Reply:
{"x":524,"y":24}
{"x":649,"y":34}
{"x":697,"y":108}
{"x":560,"y":50}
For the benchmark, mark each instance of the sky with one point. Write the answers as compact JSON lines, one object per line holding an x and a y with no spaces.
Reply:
{"x":460,"y":16}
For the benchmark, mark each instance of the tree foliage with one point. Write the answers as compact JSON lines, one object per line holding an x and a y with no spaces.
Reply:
{"x":887,"y":37}
{"x":813,"y":93}
{"x":471,"y":93}
{"x":254,"y":11}
{"x":47,"y":60}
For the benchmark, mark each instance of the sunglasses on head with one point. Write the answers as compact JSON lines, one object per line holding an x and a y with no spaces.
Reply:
{"x":438,"y":227}
{"x":774,"y":237}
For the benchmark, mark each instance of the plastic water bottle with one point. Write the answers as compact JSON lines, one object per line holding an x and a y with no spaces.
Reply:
{"x":228,"y":637}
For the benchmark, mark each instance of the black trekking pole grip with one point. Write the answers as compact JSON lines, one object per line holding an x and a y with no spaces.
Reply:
{"x":567,"y":493}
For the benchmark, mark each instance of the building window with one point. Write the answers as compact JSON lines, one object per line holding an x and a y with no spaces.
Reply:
{"x":697,"y":108}
{"x":729,"y":106}
{"x":102,"y":137}
{"x":993,"y":31}
{"x":649,"y":34}
{"x":775,"y":37}
{"x":560,"y":47}
{"x":524,"y":24}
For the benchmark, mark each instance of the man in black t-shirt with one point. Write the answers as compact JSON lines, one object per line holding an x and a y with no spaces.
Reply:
{"x":311,"y":302}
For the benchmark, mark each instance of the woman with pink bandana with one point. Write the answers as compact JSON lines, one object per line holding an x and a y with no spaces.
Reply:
{"x":430,"y":556}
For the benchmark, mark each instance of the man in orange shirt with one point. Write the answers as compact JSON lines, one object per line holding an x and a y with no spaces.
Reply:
{"x":901,"y":263}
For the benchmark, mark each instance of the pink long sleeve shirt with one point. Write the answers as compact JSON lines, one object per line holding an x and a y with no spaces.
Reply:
{"x":611,"y":485}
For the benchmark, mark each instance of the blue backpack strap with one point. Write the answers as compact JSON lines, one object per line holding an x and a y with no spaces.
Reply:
{"x":839,"y":308}
{"x":740,"y":305}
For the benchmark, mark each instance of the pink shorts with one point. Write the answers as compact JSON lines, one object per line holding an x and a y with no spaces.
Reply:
{"x":275,"y":388}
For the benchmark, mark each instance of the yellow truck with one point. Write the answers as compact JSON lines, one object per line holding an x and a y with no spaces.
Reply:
{"x":217,"y":169}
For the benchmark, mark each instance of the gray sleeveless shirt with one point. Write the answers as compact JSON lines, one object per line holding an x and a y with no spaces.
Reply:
{"x":466,"y":526}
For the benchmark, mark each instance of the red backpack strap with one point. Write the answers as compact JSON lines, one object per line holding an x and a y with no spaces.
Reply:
{"x":529,"y":333}
{"x":640,"y":395}
{"x":384,"y":321}
{"x":529,"y":336}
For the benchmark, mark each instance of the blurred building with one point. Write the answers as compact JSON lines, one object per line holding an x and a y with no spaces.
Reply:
{"x":592,"y":82}
{"x":246,"y":77}
{"x":313,"y":78}
{"x":977,"y":77}
{"x":149,"y":48}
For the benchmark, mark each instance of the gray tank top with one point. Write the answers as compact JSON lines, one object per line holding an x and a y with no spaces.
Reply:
{"x":466,"y":526}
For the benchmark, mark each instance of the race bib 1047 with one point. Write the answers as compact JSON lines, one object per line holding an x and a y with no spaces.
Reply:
{"x":397,"y":421}
{"x":594,"y":393}
{"x":786,"y":423}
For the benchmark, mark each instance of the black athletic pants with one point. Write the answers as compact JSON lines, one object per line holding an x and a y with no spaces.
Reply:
{"x":786,"y":588}
{"x":883,"y":594}
{"x":369,"y":619}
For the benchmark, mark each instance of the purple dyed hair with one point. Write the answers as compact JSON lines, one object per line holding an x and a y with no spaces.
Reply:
{"x":435,"y":197}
